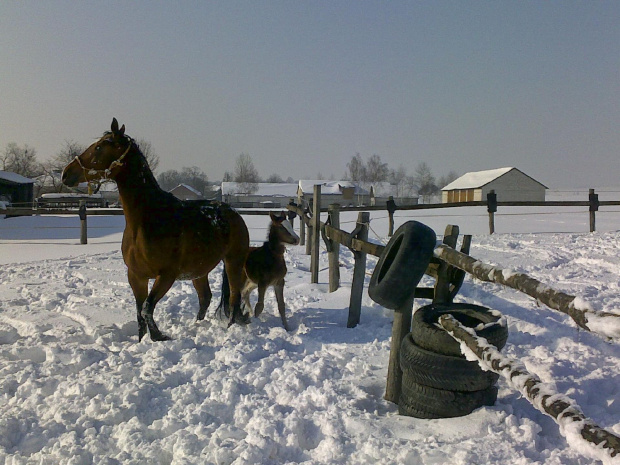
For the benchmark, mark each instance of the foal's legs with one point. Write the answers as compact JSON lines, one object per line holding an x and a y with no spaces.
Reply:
{"x":140,"y":288}
{"x":161,"y":285}
{"x":260,"y":305}
{"x":234,"y":269}
{"x":204,"y":295}
{"x":279,"y":290}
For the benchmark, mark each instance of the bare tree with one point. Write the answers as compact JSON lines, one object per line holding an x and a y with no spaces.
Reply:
{"x":191,"y":176}
{"x":228,"y":177}
{"x":355,"y":169}
{"x":275,"y":178}
{"x":52,"y":168}
{"x":376,"y":170}
{"x":447,"y":179}
{"x":20,"y":160}
{"x":147,"y":150}
{"x":246,"y":174}
{"x":425,"y":180}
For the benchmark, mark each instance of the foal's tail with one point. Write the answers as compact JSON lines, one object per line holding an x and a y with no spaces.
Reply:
{"x":224,"y":304}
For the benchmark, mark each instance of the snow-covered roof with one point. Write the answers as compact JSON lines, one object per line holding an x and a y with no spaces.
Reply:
{"x":476,"y":179}
{"x":272,"y":189}
{"x":15,"y":178}
{"x":330,"y":187}
{"x":189,"y":188}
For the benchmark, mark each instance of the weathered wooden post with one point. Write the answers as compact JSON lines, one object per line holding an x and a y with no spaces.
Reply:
{"x":359,"y":272}
{"x":400,"y":328}
{"x":83,"y":225}
{"x":492,"y":208}
{"x":391,"y":208}
{"x":442,"y":284}
{"x":594,"y":204}
{"x":334,"y":252}
{"x":316,"y":236}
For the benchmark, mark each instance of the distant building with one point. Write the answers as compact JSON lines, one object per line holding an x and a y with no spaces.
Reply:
{"x":185,"y":192}
{"x":510,"y":185}
{"x":380,"y":192}
{"x":344,"y":193}
{"x":16,"y":189}
{"x":265,"y":194}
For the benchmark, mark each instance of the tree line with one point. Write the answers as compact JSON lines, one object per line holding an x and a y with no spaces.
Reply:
{"x":23,"y":160}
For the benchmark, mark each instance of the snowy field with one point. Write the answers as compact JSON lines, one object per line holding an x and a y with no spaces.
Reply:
{"x":77,"y":388}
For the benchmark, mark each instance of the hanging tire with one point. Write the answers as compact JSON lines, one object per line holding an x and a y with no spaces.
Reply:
{"x":421,"y":401}
{"x":402,"y":264}
{"x":439,"y":371}
{"x":426,"y":333}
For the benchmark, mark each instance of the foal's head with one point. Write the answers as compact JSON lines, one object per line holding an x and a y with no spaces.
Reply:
{"x":282,"y":230}
{"x":101,"y":160}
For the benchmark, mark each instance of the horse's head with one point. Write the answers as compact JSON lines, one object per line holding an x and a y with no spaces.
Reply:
{"x":283,"y":228}
{"x":101,"y":159}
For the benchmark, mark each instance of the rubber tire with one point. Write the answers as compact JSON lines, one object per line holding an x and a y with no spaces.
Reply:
{"x":427,"y":335}
{"x":402,"y":264}
{"x":442,"y":371}
{"x":421,"y":401}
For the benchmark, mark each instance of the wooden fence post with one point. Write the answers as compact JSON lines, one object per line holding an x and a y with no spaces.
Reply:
{"x":492,"y":208}
{"x":400,"y":328}
{"x":359,"y":272}
{"x":83,"y":225}
{"x":442,"y":284}
{"x":302,"y":231}
{"x":334,"y":252}
{"x":594,"y":204}
{"x":316,"y":235}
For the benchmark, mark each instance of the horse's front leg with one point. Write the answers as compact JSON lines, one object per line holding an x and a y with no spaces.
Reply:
{"x":204,"y":295}
{"x":161,"y":285}
{"x":279,"y":291}
{"x":236,"y":279}
{"x":140,"y":288}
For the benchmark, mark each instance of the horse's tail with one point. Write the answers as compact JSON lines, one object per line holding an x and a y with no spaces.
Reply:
{"x":224,"y":304}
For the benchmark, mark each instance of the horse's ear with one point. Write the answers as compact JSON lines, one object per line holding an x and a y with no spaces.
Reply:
{"x":273,"y":216}
{"x":121,"y":131}
{"x":114,"y":126}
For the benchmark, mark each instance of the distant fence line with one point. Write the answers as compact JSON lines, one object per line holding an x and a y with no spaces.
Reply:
{"x":492,"y":204}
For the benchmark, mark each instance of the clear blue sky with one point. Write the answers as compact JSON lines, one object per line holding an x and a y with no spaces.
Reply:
{"x":302,"y":86}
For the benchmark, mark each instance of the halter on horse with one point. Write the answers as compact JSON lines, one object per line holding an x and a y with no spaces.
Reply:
{"x":165,"y":239}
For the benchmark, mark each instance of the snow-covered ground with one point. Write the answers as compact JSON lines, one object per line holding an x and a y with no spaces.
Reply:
{"x":77,"y":388}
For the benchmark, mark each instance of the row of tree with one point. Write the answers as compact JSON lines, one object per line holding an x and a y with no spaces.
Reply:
{"x":373,"y":171}
{"x":23,"y":160}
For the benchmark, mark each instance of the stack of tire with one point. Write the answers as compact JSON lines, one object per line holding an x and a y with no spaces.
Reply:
{"x":438,"y":382}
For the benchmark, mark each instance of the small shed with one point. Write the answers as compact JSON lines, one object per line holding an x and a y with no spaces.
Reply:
{"x":16,"y":189}
{"x":510,"y":185}
{"x":345,"y":193}
{"x":263,"y":195}
{"x":185,"y":192}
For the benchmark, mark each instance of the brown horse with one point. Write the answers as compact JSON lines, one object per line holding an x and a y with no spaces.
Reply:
{"x":165,"y":239}
{"x":265,"y":267}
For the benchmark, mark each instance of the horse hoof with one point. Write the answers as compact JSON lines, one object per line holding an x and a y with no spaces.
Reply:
{"x":161,"y":337}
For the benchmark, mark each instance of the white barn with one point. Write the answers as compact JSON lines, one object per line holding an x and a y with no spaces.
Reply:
{"x":510,"y":185}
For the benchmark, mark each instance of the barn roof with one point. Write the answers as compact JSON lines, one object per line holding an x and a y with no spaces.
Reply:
{"x":189,"y":188}
{"x":15,"y":178}
{"x":330,"y":187}
{"x":271,"y":189}
{"x":477,"y":179}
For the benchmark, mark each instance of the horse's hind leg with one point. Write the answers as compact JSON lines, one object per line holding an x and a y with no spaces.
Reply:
{"x":236,"y":277}
{"x":204,"y":295}
{"x":260,"y":304}
{"x":279,"y":290}
{"x":140,"y":288}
